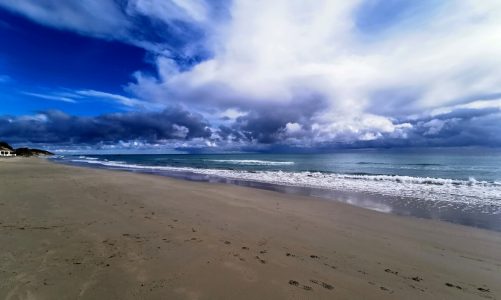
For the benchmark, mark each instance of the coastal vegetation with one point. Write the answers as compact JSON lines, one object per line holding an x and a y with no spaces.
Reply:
{"x":24,"y":151}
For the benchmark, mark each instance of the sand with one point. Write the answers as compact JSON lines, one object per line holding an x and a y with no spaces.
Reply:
{"x":78,"y":233}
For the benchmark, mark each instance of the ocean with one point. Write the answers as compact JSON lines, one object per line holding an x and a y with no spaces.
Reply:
{"x":456,"y":185}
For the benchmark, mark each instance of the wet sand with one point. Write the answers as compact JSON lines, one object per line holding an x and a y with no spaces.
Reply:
{"x":77,"y":233}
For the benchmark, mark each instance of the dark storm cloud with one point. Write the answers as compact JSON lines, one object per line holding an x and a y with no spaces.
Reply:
{"x":261,"y":130}
{"x":58,"y":127}
{"x":457,"y":128}
{"x":266,"y":124}
{"x":461,"y":128}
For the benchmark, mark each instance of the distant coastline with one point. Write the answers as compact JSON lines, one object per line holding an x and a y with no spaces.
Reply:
{"x":23,"y":151}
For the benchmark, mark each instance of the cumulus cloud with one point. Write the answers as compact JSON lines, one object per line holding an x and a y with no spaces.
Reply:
{"x":272,"y":54}
{"x":311,"y":73}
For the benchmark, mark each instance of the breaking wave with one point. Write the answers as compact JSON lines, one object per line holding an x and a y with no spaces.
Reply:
{"x":249,"y":162}
{"x":468,"y":191}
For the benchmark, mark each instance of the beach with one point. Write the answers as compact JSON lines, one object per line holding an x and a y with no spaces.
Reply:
{"x":69,"y":232}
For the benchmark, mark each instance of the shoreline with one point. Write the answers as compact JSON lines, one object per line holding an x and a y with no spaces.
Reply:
{"x":485,"y":215}
{"x":107,"y":234}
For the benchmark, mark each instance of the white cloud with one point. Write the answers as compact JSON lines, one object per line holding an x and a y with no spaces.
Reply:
{"x":232,"y":114}
{"x":125,"y":101}
{"x":71,"y":96}
{"x":293,"y":128}
{"x":434,"y":126}
{"x":170,"y":11}
{"x":278,"y":51}
{"x":100,"y":18}
{"x":50,"y":97}
{"x":117,"y":20}
{"x":352,"y":128}
{"x":180,"y":131}
{"x":300,"y":54}
{"x":479,"y":104}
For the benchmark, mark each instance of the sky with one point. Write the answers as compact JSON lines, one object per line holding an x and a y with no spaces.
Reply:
{"x":249,"y":75}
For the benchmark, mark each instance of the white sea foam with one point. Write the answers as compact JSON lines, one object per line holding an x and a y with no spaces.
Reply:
{"x":248,"y":162}
{"x":436,"y":189}
{"x":88,"y":157}
{"x":109,"y":163}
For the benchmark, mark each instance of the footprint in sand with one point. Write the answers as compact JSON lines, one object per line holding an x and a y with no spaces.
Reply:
{"x":323,"y":284}
{"x":390,"y":271}
{"x":296,"y":284}
{"x":293,"y":282}
{"x":383,"y":288}
{"x":260,"y":259}
{"x":239,"y":257}
{"x":453,"y":285}
{"x":327,"y":286}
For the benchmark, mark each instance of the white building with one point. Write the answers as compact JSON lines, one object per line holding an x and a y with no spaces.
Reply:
{"x":6,"y":152}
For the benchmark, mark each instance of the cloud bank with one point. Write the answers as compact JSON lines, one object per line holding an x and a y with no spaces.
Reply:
{"x":56,"y":127}
{"x":313,"y":74}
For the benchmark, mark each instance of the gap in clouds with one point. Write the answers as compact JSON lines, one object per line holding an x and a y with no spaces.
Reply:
{"x":379,"y":17}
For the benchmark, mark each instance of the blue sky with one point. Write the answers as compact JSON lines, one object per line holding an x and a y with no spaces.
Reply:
{"x":40,"y":60}
{"x":250,"y":75}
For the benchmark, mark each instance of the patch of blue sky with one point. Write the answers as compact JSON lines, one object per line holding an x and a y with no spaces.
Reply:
{"x":376,"y":17}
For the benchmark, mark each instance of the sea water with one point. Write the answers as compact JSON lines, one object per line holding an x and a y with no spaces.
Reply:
{"x":461,"y":185}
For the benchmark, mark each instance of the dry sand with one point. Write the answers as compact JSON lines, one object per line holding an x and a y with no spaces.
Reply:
{"x":77,"y":233}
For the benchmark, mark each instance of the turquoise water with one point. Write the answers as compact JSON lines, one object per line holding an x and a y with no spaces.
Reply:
{"x":482,"y":165}
{"x":457,"y":185}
